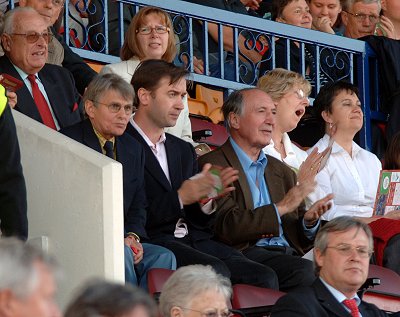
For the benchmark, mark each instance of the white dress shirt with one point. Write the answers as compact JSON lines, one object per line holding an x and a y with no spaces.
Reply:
{"x":352,"y":179}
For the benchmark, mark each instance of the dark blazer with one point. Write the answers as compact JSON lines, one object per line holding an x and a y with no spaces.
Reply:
{"x":237,"y":222}
{"x":130,"y":154}
{"x":316,"y":300}
{"x":164,"y":208}
{"x":13,"y":217}
{"x":60,"y":88}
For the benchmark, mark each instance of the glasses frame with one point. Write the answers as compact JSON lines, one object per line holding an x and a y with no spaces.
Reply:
{"x":120,"y":107}
{"x":166,"y":29}
{"x":349,"y":251}
{"x":361,"y":17}
{"x":214,"y":310}
{"x":47,"y":36}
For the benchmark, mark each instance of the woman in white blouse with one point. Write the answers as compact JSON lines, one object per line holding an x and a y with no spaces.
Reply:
{"x":151,"y":36}
{"x":289,"y":91}
{"x":352,"y":173}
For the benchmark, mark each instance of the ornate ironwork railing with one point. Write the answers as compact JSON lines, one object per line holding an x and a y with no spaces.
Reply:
{"x":235,"y":49}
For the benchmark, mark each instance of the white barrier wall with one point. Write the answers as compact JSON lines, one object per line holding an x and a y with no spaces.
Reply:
{"x":75,"y":203}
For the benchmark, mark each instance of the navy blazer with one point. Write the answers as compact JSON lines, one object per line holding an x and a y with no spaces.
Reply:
{"x":317,"y":301}
{"x":164,"y":208}
{"x":130,"y":154}
{"x":60,"y":89}
{"x":13,"y":218}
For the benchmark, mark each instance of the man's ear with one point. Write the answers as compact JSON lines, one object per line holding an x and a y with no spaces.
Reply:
{"x":144,"y":96}
{"x":176,"y":312}
{"x":6,"y":42}
{"x":89,"y":108}
{"x":318,"y":257}
{"x":234,"y":120}
{"x":22,"y":3}
{"x":383,"y":5}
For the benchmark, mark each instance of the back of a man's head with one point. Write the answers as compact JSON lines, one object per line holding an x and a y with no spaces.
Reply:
{"x":26,"y":280}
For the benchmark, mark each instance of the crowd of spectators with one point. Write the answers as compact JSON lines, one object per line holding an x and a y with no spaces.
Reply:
{"x":244,"y":213}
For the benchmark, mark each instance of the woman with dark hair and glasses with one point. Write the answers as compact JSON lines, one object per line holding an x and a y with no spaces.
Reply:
{"x":352,"y":173}
{"x":195,"y":291}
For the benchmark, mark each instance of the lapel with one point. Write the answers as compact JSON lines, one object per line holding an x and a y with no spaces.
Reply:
{"x":233,"y":160}
{"x":25,"y":104}
{"x":174,"y":162}
{"x":151,"y":163}
{"x":131,"y":66}
{"x":89,"y":137}
{"x":52,"y":90}
{"x":327,"y":300}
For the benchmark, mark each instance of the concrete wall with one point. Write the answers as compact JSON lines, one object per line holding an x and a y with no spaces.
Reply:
{"x":75,"y":204}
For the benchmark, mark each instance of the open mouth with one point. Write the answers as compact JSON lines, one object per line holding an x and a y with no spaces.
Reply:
{"x":300,"y":112}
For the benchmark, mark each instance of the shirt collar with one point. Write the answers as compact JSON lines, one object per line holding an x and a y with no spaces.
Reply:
{"x":22,"y":73}
{"x":340,"y":297}
{"x":336,"y":148}
{"x":102,"y":139}
{"x":145,"y":137}
{"x":245,"y":159}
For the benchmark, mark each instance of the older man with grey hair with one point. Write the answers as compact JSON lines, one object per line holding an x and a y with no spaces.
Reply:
{"x":342,"y":250}
{"x":264,"y":217}
{"x":362,"y":18}
{"x":27,"y":281}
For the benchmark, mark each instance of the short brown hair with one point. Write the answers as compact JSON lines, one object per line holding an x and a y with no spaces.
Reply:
{"x":277,"y":8}
{"x":131,"y":47}
{"x":150,"y":72}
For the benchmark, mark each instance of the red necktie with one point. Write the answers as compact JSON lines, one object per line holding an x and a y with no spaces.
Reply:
{"x":41,"y":103}
{"x":352,"y":305}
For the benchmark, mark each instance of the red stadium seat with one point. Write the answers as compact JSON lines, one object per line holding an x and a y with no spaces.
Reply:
{"x":386,"y":295}
{"x":156,"y":279}
{"x":254,"y":301}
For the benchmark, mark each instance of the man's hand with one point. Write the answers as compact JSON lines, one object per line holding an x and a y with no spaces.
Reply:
{"x":133,"y":244}
{"x":386,"y":28}
{"x":252,"y":4}
{"x":317,"y":210}
{"x":323,"y":24}
{"x":294,"y":197}
{"x":198,"y":187}
{"x":12,"y":98}
{"x":228,"y":176}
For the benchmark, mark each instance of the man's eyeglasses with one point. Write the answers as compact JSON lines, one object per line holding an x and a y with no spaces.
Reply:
{"x":116,"y":107}
{"x":33,"y":37}
{"x":160,"y":29}
{"x":212,"y":312}
{"x":362,"y":17}
{"x":347,"y":250}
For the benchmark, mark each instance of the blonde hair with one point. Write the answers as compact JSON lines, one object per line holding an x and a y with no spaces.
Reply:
{"x":279,"y":81}
{"x":131,"y":45}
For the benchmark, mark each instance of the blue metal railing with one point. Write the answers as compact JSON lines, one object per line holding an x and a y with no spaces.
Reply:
{"x":330,"y":54}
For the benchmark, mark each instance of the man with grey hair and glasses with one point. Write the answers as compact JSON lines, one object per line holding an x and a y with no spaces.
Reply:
{"x":108,"y":102}
{"x":342,"y":250}
{"x":27,"y":281}
{"x":362,"y":18}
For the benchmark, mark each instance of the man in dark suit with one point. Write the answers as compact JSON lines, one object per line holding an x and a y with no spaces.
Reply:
{"x":13,"y":217}
{"x":174,"y":187}
{"x":264,"y":216}
{"x":342,"y":251}
{"x":108,"y":105}
{"x":48,"y":94}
